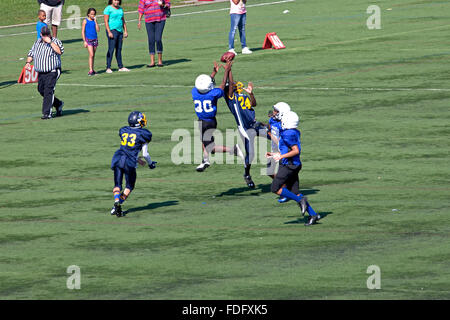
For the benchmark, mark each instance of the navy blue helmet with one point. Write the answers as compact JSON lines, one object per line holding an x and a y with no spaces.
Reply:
{"x":137,"y":119}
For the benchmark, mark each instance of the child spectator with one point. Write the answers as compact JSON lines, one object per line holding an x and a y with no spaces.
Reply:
{"x":41,"y":16}
{"x":89,"y":31}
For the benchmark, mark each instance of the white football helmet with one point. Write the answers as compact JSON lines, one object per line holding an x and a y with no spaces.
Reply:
{"x":204,"y":83}
{"x":281,"y":107}
{"x":289,"y":120}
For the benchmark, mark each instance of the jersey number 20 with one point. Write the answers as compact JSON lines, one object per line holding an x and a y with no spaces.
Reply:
{"x":125,"y":141}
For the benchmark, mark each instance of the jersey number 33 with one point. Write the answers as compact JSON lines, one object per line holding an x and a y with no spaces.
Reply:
{"x":131,"y":141}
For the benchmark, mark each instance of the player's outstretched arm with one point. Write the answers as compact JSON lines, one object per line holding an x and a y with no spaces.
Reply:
{"x":226,"y":74}
{"x":230,"y":78}
{"x":151,"y":164}
{"x":249,"y":90}
{"x":216,"y":68}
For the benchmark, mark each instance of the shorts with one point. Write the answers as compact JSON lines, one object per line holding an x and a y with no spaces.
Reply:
{"x":53,"y":14}
{"x":287,"y":175}
{"x":130,"y":177}
{"x":92,"y":42}
{"x":207,"y":129}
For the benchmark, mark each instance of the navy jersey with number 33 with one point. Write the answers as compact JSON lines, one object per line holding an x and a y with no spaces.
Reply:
{"x":132,"y":140}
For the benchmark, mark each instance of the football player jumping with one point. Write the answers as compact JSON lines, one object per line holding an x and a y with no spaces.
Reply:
{"x":134,"y":138}
{"x":205,"y":97}
{"x":241,"y":106}
{"x":286,"y":183}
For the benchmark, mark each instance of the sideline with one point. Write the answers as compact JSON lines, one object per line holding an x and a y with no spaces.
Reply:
{"x":129,"y":12}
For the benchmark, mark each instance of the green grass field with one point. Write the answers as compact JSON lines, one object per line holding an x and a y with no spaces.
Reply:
{"x":374,"y":110}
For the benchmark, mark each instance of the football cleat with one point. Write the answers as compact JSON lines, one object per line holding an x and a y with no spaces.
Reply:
{"x":117,"y":209}
{"x":202,"y":167}
{"x":59,"y":109}
{"x":137,"y":119}
{"x":237,"y":151}
{"x":303,"y":204}
{"x":312,"y":220}
{"x":249,"y":181}
{"x":283,"y":199}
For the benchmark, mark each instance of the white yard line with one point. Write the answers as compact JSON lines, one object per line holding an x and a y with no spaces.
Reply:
{"x":129,"y":12}
{"x":262,"y":87}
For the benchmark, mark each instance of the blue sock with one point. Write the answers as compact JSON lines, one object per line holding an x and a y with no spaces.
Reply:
{"x":116,"y":197}
{"x":290,"y":195}
{"x":311,"y":210}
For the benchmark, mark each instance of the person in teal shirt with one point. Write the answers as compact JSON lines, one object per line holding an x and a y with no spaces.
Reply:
{"x":116,"y":30}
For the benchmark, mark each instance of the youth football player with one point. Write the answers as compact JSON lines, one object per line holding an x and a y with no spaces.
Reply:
{"x":134,"y":138}
{"x":205,"y":97}
{"x":286,"y":182}
{"x":241,"y":106}
{"x":274,"y":129}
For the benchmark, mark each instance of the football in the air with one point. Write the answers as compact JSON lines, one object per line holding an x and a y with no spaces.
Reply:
{"x":227,"y":56}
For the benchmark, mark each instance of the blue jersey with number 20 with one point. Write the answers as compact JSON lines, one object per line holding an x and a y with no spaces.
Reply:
{"x":206,"y":103}
{"x":132,"y":140}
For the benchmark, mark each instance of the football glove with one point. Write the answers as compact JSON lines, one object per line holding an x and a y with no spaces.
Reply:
{"x":152,"y":165}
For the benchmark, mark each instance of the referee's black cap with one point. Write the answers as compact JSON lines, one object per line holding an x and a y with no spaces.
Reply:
{"x":45,"y":31}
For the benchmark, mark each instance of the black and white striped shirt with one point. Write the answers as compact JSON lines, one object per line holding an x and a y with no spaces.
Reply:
{"x":45,"y":58}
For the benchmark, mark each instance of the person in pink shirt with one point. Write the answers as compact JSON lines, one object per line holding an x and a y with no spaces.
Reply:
{"x":156,"y":12}
{"x":238,"y":15}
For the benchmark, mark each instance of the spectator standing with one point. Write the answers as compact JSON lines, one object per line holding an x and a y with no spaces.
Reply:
{"x":89,"y":31}
{"x":41,"y":23}
{"x":238,"y":15}
{"x":116,"y":30}
{"x":156,"y":13}
{"x":46,"y":53}
{"x":53,"y":10}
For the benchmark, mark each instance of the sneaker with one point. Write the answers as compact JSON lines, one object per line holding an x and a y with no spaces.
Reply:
{"x":283,"y":199}
{"x":246,"y":50}
{"x":59,"y":109}
{"x":311,"y":220}
{"x":249,"y":181}
{"x":109,"y":70}
{"x":233,"y":51}
{"x":91,"y":73}
{"x":303,"y":204}
{"x":203,"y":166}
{"x":124,"y":69}
{"x":46,"y":117}
{"x":238,"y":152}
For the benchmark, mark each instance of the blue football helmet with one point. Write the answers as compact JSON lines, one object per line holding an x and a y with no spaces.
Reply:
{"x":137,"y":119}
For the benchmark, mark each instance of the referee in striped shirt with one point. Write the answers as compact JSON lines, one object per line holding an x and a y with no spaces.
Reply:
{"x":46,"y":53}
